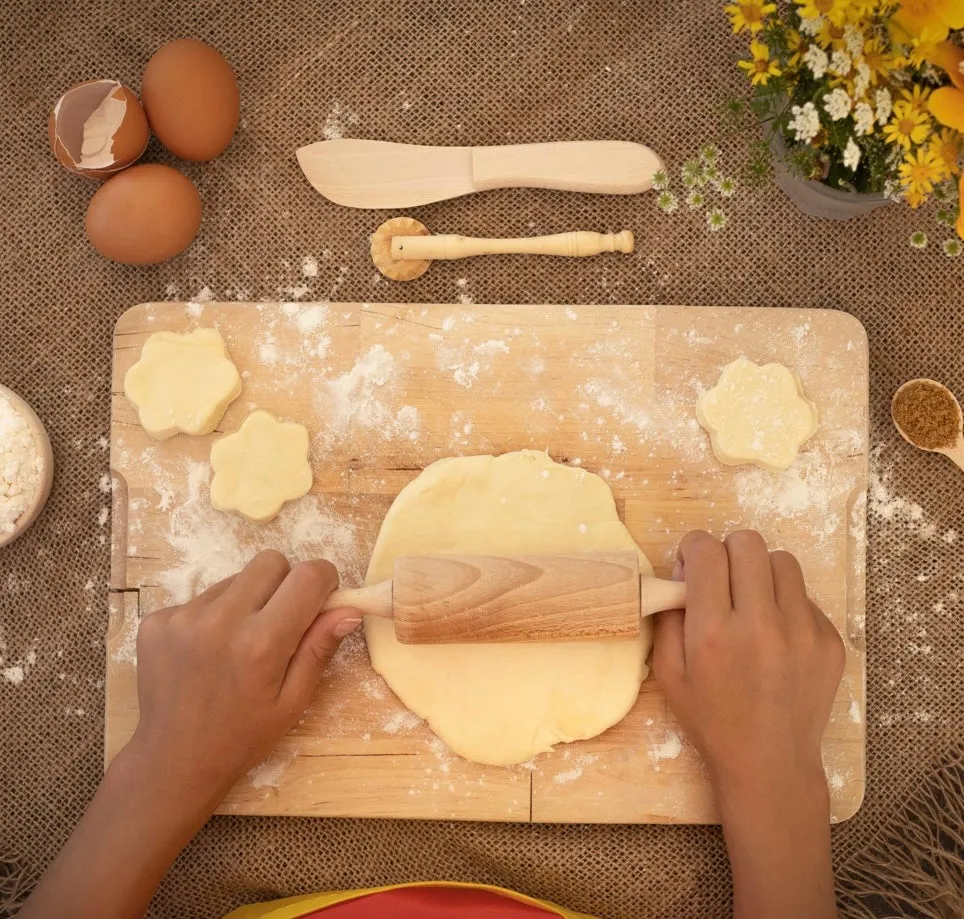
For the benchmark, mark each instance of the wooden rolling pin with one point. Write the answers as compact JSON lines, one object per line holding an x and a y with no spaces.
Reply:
{"x":577,"y":244}
{"x":475,"y":598}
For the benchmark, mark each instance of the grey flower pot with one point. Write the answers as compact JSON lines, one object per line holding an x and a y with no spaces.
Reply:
{"x":816,"y":199}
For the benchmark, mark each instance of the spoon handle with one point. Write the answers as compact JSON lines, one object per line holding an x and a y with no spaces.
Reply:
{"x":956,"y":454}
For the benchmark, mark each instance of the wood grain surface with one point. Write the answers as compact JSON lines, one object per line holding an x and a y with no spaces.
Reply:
{"x":608,"y":388}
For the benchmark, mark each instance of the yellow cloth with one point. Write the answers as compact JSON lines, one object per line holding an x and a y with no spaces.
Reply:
{"x":294,"y":907}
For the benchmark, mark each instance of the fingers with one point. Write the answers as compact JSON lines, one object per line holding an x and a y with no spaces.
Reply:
{"x":669,"y":653}
{"x":215,"y":590}
{"x":256,"y":583}
{"x":789,"y":587}
{"x":751,"y":577}
{"x":297,"y":602}
{"x":316,"y":648}
{"x":706,"y":571}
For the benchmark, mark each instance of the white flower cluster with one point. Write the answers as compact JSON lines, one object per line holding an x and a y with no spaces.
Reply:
{"x":816,"y":59}
{"x":885,"y":105}
{"x":805,"y":123}
{"x":838,"y":104}
{"x":863,"y":119}
{"x":811,"y":26}
{"x":841,"y":63}
{"x":851,"y":155}
{"x":854,"y":40}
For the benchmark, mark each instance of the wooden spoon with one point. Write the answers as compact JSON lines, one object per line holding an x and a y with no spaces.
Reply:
{"x":953,"y":451}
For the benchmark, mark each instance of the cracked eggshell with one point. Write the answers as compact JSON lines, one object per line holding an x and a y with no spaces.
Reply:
{"x":98,"y":128}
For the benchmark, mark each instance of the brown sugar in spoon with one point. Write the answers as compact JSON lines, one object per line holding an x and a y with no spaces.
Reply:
{"x":928,"y":416}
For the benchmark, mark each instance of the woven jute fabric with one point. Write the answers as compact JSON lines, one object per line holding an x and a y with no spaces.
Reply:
{"x":458,"y":72}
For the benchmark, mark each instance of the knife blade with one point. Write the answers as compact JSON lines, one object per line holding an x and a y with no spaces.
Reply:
{"x":377,"y":174}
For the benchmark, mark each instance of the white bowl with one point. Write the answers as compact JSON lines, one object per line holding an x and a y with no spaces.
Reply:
{"x":36,"y":505}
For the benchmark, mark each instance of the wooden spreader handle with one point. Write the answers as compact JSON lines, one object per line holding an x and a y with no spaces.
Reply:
{"x":473,"y":598}
{"x":577,"y":244}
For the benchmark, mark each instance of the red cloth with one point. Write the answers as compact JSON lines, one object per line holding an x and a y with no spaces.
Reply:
{"x":431,"y":903}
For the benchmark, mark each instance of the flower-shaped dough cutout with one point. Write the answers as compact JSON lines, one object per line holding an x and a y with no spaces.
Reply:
{"x":757,"y":414}
{"x":260,"y":466}
{"x":183,"y":383}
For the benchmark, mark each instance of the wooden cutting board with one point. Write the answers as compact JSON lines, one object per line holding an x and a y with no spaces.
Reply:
{"x":387,"y":389}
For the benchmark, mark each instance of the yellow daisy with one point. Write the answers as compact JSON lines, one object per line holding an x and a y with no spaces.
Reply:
{"x":919,"y":172}
{"x":878,"y":59}
{"x":749,"y":14}
{"x":760,"y":68}
{"x":915,"y":199}
{"x":948,"y":145}
{"x":797,"y":45}
{"x":916,"y":97}
{"x":923,"y":47}
{"x":834,"y":10}
{"x":908,"y":127}
{"x":831,"y":35}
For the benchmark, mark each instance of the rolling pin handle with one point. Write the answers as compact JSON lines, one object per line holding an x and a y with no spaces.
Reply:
{"x":657,"y":595}
{"x":375,"y":600}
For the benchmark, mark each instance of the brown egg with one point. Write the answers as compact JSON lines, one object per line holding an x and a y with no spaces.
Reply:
{"x":98,"y":128}
{"x":144,"y":215}
{"x":191,"y":99}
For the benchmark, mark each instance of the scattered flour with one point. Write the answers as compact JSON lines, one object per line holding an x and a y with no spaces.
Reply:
{"x":670,"y":748}
{"x":571,"y":775}
{"x":401,"y":722}
{"x":211,"y":545}
{"x":338,"y":122}
{"x":309,"y":266}
{"x":269,"y":773}
{"x":359,"y":396}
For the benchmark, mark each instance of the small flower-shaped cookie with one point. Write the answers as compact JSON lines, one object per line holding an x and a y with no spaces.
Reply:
{"x":183,"y":383}
{"x":260,"y":466}
{"x":757,"y":415}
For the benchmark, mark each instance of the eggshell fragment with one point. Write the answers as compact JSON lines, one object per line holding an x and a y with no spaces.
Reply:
{"x":191,"y":99}
{"x":98,"y":128}
{"x":144,"y":215}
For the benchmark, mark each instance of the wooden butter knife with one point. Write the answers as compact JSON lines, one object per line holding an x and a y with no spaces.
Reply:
{"x":377,"y":174}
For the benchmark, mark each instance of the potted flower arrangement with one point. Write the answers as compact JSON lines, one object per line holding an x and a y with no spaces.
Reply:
{"x":863,"y":99}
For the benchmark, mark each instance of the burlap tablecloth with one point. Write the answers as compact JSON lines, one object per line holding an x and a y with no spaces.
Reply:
{"x":451,"y":72}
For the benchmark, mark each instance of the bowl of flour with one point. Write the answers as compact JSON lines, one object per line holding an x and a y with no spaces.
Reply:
{"x":26,"y":466}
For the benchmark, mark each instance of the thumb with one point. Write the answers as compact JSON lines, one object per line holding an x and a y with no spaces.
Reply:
{"x":316,"y":648}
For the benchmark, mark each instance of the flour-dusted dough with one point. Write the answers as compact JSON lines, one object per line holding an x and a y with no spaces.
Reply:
{"x":757,"y":415}
{"x":183,"y":383}
{"x":260,"y":466}
{"x":503,"y":703}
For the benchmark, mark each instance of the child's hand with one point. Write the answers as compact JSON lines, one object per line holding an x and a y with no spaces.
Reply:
{"x":752,"y":667}
{"x":750,"y":670}
{"x":221,"y":679}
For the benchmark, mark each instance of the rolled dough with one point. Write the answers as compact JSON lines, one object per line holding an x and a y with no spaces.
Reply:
{"x":757,"y":414}
{"x":504,"y":703}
